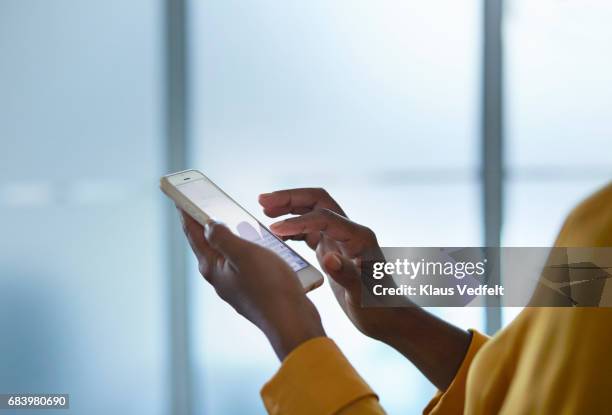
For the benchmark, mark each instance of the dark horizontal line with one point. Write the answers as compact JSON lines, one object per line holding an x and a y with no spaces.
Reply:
{"x":578,"y":267}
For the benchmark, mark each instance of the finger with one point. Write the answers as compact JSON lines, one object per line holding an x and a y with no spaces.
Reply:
{"x":230,"y":245}
{"x":311,"y":239}
{"x":344,"y":272}
{"x":204,"y":253}
{"x":293,"y":237}
{"x":297,"y":201}
{"x":195,"y":234}
{"x":329,"y":223}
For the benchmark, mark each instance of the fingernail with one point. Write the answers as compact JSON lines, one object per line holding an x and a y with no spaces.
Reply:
{"x":208,"y":227}
{"x":264,"y":195}
{"x":335,"y":264}
{"x":277,"y":224}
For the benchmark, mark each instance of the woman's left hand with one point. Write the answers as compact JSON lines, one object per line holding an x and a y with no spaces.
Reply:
{"x":257,"y":283}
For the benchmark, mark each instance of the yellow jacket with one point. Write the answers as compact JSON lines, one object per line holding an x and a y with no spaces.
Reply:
{"x":547,"y":361}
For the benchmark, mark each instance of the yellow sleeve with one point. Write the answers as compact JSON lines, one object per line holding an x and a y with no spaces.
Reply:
{"x":590,"y":223}
{"x":452,"y":401}
{"x":316,"y":379}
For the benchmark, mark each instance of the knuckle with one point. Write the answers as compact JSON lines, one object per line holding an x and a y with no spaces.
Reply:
{"x":214,"y":231}
{"x":322,"y":192}
{"x":368,"y":233}
{"x":203,"y":268}
{"x":326,"y":213}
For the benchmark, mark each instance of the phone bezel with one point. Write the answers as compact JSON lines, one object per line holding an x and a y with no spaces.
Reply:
{"x":310,"y":277}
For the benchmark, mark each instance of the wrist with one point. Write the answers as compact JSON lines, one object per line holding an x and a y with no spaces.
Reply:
{"x":400,"y":324}
{"x":298,"y":323}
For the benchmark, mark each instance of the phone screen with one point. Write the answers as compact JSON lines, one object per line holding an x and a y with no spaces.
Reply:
{"x":221,"y":208}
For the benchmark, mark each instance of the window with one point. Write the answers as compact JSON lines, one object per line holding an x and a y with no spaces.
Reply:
{"x":559,"y":129}
{"x":81,"y":258}
{"x":348,"y":96}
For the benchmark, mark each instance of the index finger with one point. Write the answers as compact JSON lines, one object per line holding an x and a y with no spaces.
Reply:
{"x":330,"y":223}
{"x":195,"y":236}
{"x":297,"y":201}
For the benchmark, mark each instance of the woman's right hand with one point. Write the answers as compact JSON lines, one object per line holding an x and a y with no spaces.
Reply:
{"x":339,"y":243}
{"x":431,"y":344}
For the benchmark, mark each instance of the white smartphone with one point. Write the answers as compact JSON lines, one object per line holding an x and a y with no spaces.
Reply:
{"x":197,"y":195}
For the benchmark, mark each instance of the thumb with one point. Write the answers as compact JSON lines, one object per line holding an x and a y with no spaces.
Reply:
{"x":344,"y":272}
{"x":226,"y":242}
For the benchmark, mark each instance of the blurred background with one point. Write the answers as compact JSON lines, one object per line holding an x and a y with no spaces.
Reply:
{"x":435,"y":123}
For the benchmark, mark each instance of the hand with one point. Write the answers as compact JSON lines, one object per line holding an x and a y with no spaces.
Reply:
{"x":257,"y":283}
{"x":339,"y":243}
{"x":434,"y":346}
